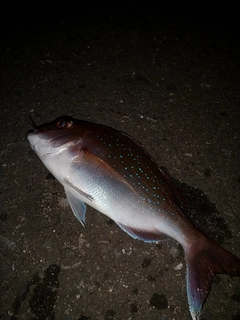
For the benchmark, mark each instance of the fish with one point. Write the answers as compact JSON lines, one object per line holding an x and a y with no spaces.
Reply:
{"x":110,"y":171}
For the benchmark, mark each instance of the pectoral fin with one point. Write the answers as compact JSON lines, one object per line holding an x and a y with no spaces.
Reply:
{"x":78,"y":206}
{"x":78,"y":190}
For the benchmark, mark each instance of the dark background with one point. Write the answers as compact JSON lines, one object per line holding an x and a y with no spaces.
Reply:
{"x":165,"y":73}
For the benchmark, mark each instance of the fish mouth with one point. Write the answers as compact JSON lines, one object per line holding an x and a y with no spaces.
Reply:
{"x":32,"y":138}
{"x":39,"y":145}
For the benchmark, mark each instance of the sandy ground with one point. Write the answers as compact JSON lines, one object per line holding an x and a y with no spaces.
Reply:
{"x":169,"y":80}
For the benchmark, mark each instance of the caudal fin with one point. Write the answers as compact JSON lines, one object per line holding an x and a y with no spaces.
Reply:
{"x":204,"y":259}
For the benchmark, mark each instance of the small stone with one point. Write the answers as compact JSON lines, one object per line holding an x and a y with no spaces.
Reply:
{"x":179,"y":266}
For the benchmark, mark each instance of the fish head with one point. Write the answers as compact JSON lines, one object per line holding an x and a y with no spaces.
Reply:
{"x":53,"y":137}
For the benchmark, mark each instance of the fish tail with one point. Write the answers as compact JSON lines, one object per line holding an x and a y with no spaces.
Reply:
{"x":204,"y":259}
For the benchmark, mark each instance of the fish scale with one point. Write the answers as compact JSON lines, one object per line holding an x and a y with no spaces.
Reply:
{"x":111,"y":172}
{"x":134,"y":164}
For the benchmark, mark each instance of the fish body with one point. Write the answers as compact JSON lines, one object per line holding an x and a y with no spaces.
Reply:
{"x":111,"y":172}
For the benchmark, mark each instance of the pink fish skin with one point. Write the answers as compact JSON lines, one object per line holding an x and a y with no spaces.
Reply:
{"x":110,"y":171}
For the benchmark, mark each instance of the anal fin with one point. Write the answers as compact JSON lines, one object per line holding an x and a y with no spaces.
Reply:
{"x":144,"y":235}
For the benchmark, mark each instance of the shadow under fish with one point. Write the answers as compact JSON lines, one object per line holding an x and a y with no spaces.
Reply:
{"x":111,"y":172}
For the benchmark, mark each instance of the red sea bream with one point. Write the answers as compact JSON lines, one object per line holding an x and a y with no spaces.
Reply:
{"x":111,"y":172}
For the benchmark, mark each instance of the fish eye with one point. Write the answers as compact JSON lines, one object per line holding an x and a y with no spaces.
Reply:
{"x":64,"y":124}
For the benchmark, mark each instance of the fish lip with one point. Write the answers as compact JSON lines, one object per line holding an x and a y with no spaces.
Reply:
{"x":30,"y":132}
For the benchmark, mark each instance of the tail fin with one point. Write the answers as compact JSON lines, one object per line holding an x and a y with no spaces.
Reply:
{"x":204,"y":259}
